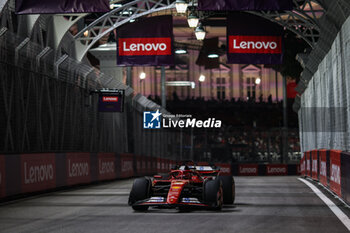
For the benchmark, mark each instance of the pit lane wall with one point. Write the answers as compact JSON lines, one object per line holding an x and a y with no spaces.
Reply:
{"x":31,"y":173}
{"x":329,"y":167}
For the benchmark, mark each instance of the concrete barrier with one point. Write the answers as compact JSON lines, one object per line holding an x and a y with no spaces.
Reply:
{"x":331,"y":168}
{"x":31,"y":173}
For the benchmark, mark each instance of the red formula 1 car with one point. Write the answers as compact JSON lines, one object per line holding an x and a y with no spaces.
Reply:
{"x":185,"y":186}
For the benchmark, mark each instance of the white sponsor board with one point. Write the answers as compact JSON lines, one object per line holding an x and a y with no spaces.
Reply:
{"x":335,"y":173}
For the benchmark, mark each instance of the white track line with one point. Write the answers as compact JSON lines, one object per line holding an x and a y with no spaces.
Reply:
{"x":335,"y":209}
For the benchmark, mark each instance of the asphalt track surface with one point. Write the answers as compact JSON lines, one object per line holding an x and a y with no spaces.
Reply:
{"x":263,"y":204}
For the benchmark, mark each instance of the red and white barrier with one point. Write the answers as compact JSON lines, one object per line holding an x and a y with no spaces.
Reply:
{"x":335,"y":175}
{"x":331,"y":168}
{"x":302,"y":167}
{"x":323,"y":167}
{"x":314,"y":164}
{"x":308,"y":163}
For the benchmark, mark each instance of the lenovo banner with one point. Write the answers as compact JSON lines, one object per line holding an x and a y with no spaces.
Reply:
{"x":302,"y":166}
{"x":2,"y":176}
{"x":61,"y":6}
{"x":154,"y":164}
{"x":253,"y":40}
{"x":106,"y":166}
{"x":276,"y":170}
{"x":248,"y":170}
{"x":78,"y":168}
{"x":164,"y":165}
{"x":38,"y":172}
{"x":111,"y":102}
{"x":144,"y":165}
{"x":141,"y":165}
{"x":245,"y":5}
{"x":323,"y":166}
{"x":146,"y":42}
{"x":345,"y":176}
{"x":127,"y":165}
{"x":149,"y":165}
{"x":168,"y":164}
{"x":335,"y":175}
{"x":315,"y":166}
{"x":225,"y":168}
{"x":308,"y":163}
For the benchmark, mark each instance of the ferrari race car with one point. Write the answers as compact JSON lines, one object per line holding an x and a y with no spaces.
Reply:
{"x":183,"y":187}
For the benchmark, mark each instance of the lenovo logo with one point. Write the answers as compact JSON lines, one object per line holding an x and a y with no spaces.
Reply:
{"x":314,"y":165}
{"x":276,"y":170}
{"x":247,"y":170}
{"x":144,"y":46}
{"x":106,"y":167}
{"x":323,"y":169}
{"x":335,"y":174}
{"x":255,"y":44}
{"x":78,"y":169}
{"x":225,"y":170}
{"x":127,"y":166}
{"x":110,"y":99}
{"x":38,"y":173}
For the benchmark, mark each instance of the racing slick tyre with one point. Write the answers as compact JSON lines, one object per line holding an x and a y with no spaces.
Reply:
{"x":228,"y":186}
{"x":213,"y":193}
{"x":140,"y":190}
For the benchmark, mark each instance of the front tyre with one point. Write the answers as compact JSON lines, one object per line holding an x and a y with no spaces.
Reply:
{"x":140,"y":191}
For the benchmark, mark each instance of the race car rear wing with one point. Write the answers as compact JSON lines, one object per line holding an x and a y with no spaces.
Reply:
{"x":198,"y":168}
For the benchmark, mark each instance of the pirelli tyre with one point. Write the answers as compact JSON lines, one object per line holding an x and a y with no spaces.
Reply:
{"x":213,"y":193}
{"x":228,"y":186}
{"x":140,"y":190}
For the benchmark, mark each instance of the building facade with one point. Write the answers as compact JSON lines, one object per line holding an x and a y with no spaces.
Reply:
{"x":244,"y":82}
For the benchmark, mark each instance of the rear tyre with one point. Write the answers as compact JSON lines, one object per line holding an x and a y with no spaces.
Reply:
{"x":228,"y":186}
{"x":213,"y":193}
{"x":140,"y":190}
